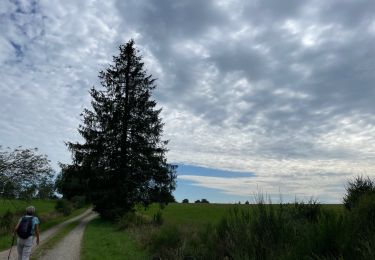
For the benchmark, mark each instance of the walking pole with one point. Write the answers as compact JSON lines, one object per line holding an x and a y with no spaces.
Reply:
{"x":11,"y":246}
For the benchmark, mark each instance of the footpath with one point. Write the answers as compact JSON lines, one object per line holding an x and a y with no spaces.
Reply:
{"x":75,"y":235}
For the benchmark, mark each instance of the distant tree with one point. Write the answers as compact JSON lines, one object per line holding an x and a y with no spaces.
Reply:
{"x":197,"y":201}
{"x":247,"y":202}
{"x":122,"y":158}
{"x":356,"y":189}
{"x":204,"y":201}
{"x":46,"y":189}
{"x":72,"y":181}
{"x":23,"y":172}
{"x":185,"y":201}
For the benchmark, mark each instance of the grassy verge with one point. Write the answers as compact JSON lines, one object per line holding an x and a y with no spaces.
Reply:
{"x":5,"y":240}
{"x":102,"y":240}
{"x":60,"y":219}
{"x":41,"y":250}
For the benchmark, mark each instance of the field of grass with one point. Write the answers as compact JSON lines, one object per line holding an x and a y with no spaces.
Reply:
{"x":179,"y":221}
{"x":189,"y":214}
{"x":102,"y":240}
{"x":198,"y":214}
{"x":42,"y":206}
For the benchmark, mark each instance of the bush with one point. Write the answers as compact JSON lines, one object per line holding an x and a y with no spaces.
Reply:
{"x":166,"y":242}
{"x":131,"y":219}
{"x":63,"y":206}
{"x":355,"y":189}
{"x":7,"y":222}
{"x":309,"y":211}
{"x":360,"y":242}
{"x":78,"y":201}
{"x":185,"y":201}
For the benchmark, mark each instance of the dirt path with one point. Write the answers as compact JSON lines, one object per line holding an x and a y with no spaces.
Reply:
{"x":70,"y":246}
{"x":44,"y":235}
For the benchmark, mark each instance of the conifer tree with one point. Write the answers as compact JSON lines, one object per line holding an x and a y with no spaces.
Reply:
{"x":122,"y":160}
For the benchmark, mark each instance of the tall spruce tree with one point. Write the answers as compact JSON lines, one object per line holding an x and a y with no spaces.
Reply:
{"x":122,"y":161}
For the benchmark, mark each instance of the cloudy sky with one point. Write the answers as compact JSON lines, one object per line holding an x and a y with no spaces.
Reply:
{"x":271,"y":96}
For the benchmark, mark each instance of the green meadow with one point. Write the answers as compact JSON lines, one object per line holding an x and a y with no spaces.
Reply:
{"x":196,"y":214}
{"x":42,"y":206}
{"x":213,"y":231}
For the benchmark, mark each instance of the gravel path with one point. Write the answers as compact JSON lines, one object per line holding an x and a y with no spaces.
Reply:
{"x":70,"y":246}
{"x":43,"y":236}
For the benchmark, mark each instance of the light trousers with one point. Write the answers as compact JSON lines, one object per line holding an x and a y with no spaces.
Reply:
{"x":24,"y":247}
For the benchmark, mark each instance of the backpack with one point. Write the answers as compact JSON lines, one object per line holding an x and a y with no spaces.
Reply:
{"x":25,"y":227}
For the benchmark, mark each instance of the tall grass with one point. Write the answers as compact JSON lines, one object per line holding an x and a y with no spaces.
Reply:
{"x":301,"y":230}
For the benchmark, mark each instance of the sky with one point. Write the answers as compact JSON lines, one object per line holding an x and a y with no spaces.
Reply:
{"x":272,"y":97}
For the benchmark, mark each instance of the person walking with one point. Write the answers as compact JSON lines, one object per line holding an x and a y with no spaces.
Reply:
{"x":26,"y":229}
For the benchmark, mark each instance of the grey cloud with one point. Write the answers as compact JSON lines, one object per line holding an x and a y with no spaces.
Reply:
{"x":260,"y":79}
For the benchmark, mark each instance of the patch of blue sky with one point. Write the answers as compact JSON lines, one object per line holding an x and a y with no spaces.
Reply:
{"x":187,"y":189}
{"x":186,"y":169}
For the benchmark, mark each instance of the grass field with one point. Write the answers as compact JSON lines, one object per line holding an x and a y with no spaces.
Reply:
{"x":190,"y":214}
{"x":201,"y":213}
{"x":42,"y":206}
{"x":179,"y":220}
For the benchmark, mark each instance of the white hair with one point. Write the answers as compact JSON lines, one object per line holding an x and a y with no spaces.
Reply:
{"x":30,"y":210}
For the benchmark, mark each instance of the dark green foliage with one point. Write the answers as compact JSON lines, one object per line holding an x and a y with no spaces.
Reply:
{"x":185,"y":201}
{"x":131,"y":219}
{"x":361,"y":226}
{"x":204,"y":201}
{"x":72,"y":181}
{"x":197,"y":201}
{"x":122,"y":160}
{"x":63,"y":206}
{"x":78,"y":201}
{"x":307,"y":211}
{"x":24,"y":174}
{"x":356,"y":188}
{"x":7,"y":222}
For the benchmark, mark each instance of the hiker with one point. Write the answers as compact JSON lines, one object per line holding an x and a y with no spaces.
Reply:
{"x":26,"y":229}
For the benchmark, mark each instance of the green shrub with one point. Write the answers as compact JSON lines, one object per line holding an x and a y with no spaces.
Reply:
{"x":131,"y":219}
{"x":360,"y":242}
{"x":355,"y":189}
{"x":7,"y":222}
{"x":78,"y":201}
{"x":63,"y":206}
{"x":166,"y":242}
{"x":309,"y":211}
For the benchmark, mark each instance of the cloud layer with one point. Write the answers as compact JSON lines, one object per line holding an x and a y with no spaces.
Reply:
{"x":283,"y":90}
